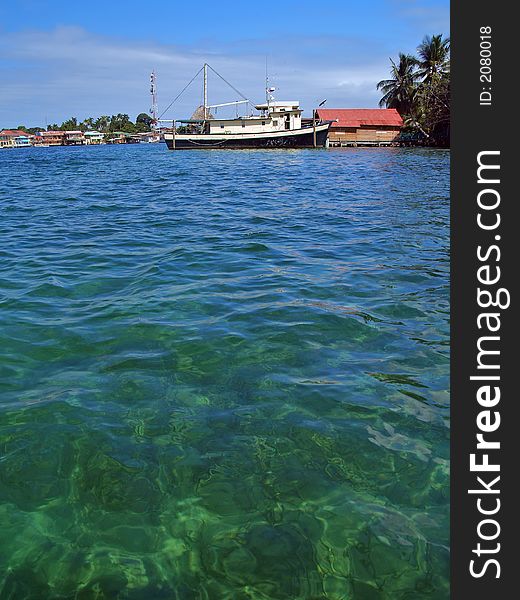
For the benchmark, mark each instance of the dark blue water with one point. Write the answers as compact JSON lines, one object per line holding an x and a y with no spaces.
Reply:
{"x":224,"y":375}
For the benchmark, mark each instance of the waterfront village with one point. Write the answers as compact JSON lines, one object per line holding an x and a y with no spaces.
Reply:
{"x":350,"y":127}
{"x":414,"y":110}
{"x":18,"y":138}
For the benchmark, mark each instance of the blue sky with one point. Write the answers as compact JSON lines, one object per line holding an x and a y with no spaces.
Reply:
{"x":63,"y":58}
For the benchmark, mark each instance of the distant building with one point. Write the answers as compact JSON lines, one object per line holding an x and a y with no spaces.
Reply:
{"x":148,"y":137}
{"x":50,"y":138}
{"x":74,"y":138}
{"x":94,"y":137}
{"x":121,"y":137}
{"x":23,"y":141}
{"x":362,"y":126}
{"x":15,"y":138}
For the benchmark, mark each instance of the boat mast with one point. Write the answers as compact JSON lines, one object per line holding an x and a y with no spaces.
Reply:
{"x":266,"y":85}
{"x":268,"y":90}
{"x":205,"y":91}
{"x":153,"y":92}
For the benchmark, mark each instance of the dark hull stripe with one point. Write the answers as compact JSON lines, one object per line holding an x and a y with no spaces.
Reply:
{"x":287,"y":141}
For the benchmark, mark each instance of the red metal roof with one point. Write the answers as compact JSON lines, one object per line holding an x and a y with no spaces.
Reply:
{"x":357,"y":117}
{"x":14,"y":132}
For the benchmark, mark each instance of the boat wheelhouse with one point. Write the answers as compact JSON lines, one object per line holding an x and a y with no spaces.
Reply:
{"x":279,"y":124}
{"x":278,"y":116}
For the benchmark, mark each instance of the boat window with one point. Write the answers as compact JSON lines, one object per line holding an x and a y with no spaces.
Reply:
{"x":275,"y":123}
{"x":222,"y":127}
{"x":263,"y":122}
{"x":243,"y":124}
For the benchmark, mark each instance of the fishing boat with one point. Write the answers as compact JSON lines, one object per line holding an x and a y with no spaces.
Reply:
{"x":278,"y":124}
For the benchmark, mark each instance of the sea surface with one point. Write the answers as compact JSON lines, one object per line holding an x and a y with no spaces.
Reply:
{"x":224,"y":374}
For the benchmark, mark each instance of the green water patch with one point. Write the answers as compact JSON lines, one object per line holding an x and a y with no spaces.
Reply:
{"x":233,"y":389}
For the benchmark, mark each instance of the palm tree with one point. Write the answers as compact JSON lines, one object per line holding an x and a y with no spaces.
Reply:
{"x":434,"y":57}
{"x":88,"y":123}
{"x":102,"y":123}
{"x":420,"y":89}
{"x":70,"y":124}
{"x":399,"y":91}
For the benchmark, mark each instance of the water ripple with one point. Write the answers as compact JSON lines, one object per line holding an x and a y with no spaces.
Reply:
{"x":224,"y":374}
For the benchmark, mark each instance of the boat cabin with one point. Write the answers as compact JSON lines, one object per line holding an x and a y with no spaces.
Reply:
{"x":276,"y":116}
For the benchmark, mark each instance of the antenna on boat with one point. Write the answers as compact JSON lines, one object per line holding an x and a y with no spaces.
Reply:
{"x":268,"y":90}
{"x":153,"y":92}
{"x":205,"y":101}
{"x":266,"y":85}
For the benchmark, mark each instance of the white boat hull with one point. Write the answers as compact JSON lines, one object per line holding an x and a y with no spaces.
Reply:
{"x":306,"y":137}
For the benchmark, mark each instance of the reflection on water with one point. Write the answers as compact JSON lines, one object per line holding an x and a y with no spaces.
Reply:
{"x":224,"y":374}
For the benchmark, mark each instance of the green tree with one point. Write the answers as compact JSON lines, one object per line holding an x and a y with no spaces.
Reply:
{"x":144,"y":119}
{"x":399,"y":91}
{"x":119,"y":122}
{"x":141,"y":128}
{"x":102,"y":123}
{"x":420,"y":90}
{"x":434,"y":100}
{"x":87,"y":124}
{"x":434,"y":58}
{"x":128,"y":127}
{"x":434,"y":89}
{"x":69,"y":124}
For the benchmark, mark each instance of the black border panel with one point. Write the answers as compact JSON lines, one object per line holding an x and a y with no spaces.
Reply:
{"x":489,"y":124}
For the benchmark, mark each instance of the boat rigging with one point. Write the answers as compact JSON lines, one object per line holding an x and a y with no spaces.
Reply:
{"x":279,"y":124}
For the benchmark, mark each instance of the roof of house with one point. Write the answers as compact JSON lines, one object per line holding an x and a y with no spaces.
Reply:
{"x":357,"y":117}
{"x":14,"y":132}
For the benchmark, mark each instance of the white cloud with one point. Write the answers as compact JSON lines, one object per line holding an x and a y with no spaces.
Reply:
{"x":50,"y":76}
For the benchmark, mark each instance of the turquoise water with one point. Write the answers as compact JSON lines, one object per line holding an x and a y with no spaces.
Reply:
{"x":224,"y":375}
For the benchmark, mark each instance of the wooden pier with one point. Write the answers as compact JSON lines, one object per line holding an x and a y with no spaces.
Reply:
{"x":356,"y":144}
